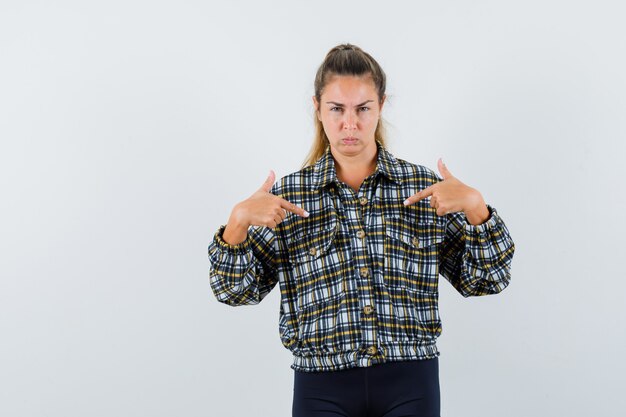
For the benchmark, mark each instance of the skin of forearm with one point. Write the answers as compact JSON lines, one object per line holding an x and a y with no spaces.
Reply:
{"x":478,"y":215}
{"x":236,"y":231}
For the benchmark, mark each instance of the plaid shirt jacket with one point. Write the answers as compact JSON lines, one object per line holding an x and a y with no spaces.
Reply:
{"x":359,"y":277}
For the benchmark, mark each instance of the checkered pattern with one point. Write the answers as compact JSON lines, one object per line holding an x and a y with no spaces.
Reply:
{"x":359,"y":277}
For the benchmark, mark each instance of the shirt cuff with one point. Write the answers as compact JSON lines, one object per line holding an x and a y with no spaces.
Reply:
{"x":236,"y":249}
{"x":486,"y":225}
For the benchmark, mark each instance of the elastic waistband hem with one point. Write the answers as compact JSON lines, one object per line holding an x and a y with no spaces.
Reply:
{"x":360,"y":358}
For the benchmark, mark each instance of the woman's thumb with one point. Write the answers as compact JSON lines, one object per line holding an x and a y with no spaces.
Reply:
{"x":267,"y":185}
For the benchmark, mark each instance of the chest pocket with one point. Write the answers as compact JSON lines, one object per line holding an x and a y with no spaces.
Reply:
{"x":412,"y":254}
{"x":318,"y":267}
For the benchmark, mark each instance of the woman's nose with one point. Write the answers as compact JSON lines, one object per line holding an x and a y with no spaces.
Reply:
{"x":349,"y":122}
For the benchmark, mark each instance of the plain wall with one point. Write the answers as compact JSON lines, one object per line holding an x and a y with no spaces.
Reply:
{"x":129,"y":129}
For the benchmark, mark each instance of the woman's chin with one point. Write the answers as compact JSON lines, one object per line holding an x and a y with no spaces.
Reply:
{"x":349,"y":146}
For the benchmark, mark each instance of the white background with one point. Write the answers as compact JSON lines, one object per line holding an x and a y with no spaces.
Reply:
{"x":129,"y":129}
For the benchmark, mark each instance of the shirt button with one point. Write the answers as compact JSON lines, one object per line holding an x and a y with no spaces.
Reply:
{"x":363,"y":201}
{"x":360,"y":234}
{"x":415,"y":241}
{"x":313,"y":251}
{"x":364,"y":272}
{"x":371,"y":350}
{"x":368,"y":309}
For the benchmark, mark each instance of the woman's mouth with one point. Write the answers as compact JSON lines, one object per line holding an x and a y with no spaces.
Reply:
{"x":349,"y":140}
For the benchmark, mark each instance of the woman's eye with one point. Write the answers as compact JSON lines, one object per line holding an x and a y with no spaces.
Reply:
{"x":361,"y":108}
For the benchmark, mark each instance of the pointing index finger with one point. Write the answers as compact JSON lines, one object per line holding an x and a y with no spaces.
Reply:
{"x":420,"y":195}
{"x":289,"y":206}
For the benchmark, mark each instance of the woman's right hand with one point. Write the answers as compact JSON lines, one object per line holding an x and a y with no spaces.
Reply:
{"x":260,"y":209}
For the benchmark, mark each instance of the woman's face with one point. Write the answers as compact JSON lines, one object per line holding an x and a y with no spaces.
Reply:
{"x":349,"y":111}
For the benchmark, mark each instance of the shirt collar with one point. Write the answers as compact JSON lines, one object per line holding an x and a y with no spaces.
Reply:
{"x":324,"y":171}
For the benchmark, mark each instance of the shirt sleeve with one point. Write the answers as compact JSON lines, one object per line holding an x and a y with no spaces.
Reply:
{"x":476,"y":259}
{"x":244,"y":273}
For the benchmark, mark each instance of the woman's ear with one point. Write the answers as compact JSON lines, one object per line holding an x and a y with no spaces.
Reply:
{"x":317,"y":108}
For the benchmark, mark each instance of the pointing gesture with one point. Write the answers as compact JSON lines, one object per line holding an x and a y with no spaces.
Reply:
{"x":451,"y":195}
{"x":269,"y":181}
{"x":260,"y":209}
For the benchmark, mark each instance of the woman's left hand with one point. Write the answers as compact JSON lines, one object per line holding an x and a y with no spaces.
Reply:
{"x":451,"y":195}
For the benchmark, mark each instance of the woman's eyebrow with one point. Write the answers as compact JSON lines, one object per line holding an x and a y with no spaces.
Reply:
{"x":341,"y":105}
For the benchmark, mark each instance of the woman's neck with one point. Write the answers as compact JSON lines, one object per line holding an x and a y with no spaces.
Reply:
{"x":352,"y":170}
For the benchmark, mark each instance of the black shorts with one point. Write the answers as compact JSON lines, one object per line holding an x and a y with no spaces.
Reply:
{"x":390,"y":389}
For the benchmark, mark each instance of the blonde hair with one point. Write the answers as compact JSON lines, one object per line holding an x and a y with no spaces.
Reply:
{"x":345,"y":59}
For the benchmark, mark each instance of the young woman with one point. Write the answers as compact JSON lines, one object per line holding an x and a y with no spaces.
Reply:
{"x":356,"y":240}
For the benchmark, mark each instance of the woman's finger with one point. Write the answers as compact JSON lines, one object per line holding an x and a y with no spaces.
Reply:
{"x":293,"y":208}
{"x":277,"y":219}
{"x":419,"y":195}
{"x":280,"y":212}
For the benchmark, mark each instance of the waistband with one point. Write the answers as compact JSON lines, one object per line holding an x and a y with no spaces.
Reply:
{"x":388,"y":352}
